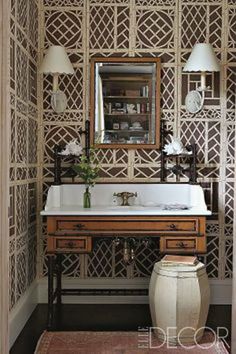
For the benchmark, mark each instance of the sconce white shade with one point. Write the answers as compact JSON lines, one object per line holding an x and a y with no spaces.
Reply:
{"x":202,"y":59}
{"x":56,"y":61}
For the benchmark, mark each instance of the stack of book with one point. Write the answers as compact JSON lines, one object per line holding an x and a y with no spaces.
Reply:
{"x":175,"y":261}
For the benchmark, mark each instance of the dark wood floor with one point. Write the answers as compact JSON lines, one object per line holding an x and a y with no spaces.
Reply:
{"x":101,"y":318}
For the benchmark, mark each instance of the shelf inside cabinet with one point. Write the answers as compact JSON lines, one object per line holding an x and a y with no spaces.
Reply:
{"x":129,"y":78}
{"x":126,"y":131}
{"x":131,"y":115}
{"x":126,"y":98}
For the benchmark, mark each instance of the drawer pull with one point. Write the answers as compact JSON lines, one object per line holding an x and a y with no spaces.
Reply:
{"x":79,"y":226}
{"x":173,"y":227}
{"x":70,"y":244}
{"x":180,"y":244}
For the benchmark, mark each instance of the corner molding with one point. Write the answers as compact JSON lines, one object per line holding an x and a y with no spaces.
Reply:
{"x":4,"y":171}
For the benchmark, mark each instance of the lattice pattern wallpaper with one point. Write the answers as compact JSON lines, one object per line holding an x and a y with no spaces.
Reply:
{"x":24,"y":135}
{"x":168,"y":29}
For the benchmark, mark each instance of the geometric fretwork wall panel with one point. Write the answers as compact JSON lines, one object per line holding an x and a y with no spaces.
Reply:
{"x":23,"y":147}
{"x":166,"y":29}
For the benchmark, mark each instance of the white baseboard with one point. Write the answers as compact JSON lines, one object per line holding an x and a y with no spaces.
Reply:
{"x":22,"y":311}
{"x":221,"y":291}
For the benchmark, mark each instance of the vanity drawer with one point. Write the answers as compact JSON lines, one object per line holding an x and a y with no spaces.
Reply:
{"x":180,"y":225}
{"x":178,"y":245}
{"x":124,"y":224}
{"x":181,"y":244}
{"x":69,"y":244}
{"x":188,"y":245}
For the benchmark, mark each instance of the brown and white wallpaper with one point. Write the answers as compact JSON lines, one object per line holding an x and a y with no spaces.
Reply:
{"x":23,"y":140}
{"x":165,"y":28}
{"x":168,"y":29}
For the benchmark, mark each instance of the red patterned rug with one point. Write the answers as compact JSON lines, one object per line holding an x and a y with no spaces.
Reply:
{"x":118,"y":343}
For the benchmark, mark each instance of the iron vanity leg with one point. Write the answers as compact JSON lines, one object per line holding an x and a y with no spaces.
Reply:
{"x":59,"y":272}
{"x":51,"y":260}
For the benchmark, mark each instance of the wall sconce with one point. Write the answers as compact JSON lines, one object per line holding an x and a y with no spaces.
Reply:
{"x":202,"y":59}
{"x":56,"y":62}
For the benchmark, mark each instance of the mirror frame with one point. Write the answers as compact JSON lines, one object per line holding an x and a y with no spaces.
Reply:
{"x":157,"y":133}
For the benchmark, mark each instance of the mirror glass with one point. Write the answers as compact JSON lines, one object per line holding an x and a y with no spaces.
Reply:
{"x":125,"y":102}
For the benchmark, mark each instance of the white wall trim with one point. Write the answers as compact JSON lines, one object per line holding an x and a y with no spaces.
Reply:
{"x":221,"y":291}
{"x":22,"y":311}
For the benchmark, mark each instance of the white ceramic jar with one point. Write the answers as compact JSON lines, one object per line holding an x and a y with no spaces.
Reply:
{"x":179,"y":302}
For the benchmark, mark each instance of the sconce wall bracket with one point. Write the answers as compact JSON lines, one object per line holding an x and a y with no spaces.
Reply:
{"x":194,"y":101}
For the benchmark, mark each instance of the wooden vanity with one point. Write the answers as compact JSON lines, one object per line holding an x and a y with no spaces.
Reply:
{"x":73,"y":229}
{"x":74,"y":234}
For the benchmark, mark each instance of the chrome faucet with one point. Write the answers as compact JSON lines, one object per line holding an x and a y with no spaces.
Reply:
{"x":125,"y":197}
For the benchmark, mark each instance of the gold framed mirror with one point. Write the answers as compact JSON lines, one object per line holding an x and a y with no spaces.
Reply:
{"x":125,"y":103}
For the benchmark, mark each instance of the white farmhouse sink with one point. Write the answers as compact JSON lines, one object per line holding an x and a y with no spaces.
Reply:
{"x":152,"y":199}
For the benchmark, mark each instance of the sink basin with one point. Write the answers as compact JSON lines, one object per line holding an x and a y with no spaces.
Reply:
{"x":152,"y":199}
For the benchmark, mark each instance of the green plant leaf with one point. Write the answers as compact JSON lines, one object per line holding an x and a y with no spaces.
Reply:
{"x":88,"y":169}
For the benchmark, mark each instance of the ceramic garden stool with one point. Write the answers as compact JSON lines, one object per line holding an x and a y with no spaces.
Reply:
{"x":179,"y":301}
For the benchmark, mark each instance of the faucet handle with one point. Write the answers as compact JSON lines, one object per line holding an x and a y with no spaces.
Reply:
{"x":116,"y":194}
